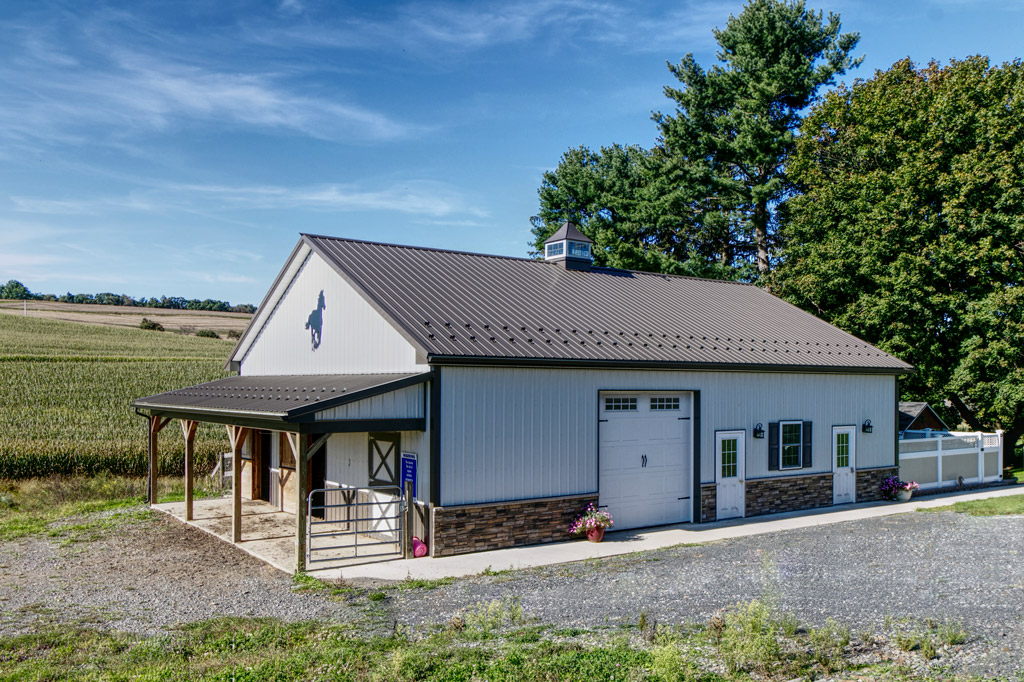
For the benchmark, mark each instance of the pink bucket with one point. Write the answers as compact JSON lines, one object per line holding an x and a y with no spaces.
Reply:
{"x":418,"y":548}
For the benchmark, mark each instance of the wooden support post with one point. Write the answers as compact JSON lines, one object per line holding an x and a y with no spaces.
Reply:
{"x":156,"y":424}
{"x":407,"y":522}
{"x":236,"y":434}
{"x":188,"y":431}
{"x":297,"y":442}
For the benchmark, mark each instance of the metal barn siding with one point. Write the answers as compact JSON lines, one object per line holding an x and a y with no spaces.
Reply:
{"x":514,"y":434}
{"x":522,"y":433}
{"x":354,"y":338}
{"x":404,"y":403}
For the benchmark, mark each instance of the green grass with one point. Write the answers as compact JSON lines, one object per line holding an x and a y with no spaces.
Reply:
{"x":491,"y":643}
{"x":80,"y":508}
{"x":66,"y":387}
{"x":994,"y":506}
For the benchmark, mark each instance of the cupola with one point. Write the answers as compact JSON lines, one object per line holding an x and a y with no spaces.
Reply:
{"x":569,"y":247}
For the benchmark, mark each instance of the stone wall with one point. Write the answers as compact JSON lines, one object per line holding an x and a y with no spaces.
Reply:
{"x":708,"y":502}
{"x":788,"y":493}
{"x":869,"y":482}
{"x":480,"y":527}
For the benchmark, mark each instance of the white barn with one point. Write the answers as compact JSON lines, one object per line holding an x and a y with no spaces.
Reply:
{"x":526,"y":389}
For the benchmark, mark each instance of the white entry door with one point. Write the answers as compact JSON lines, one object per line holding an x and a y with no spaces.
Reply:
{"x":844,"y":457}
{"x":729,"y":460}
{"x":645,"y":458}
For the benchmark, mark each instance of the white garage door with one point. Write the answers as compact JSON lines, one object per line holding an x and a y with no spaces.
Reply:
{"x":646,"y":457}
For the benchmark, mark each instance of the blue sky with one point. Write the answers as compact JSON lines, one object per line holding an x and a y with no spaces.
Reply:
{"x":178,"y":148}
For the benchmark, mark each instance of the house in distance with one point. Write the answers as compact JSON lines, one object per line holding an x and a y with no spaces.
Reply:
{"x":526,"y":389}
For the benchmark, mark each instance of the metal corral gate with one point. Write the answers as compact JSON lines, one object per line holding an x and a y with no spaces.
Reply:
{"x":351,"y":523}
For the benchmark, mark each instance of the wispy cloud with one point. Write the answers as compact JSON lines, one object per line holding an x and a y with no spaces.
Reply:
{"x":417,"y":197}
{"x":424,"y":28}
{"x":111,"y":85}
{"x":217,"y":277}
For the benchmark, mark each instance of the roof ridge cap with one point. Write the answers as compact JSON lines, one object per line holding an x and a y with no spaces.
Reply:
{"x":419,"y":248}
{"x":596,"y":268}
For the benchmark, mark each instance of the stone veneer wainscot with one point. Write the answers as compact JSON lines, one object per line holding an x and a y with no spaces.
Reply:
{"x":788,"y":493}
{"x":869,"y":482}
{"x":708,"y":502}
{"x":498,"y":525}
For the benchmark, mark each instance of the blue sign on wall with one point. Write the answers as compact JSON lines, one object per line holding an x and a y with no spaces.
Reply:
{"x":409,"y":470}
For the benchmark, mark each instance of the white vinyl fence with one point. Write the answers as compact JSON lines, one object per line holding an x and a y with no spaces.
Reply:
{"x":950,"y":458}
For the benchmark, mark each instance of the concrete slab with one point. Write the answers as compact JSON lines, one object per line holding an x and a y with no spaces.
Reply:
{"x":269,"y":534}
{"x":626,"y":542}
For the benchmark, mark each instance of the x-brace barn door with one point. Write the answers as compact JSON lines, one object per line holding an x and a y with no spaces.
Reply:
{"x":384,"y":449}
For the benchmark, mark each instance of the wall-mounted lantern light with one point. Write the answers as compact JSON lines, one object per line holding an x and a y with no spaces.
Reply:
{"x":758,"y":431}
{"x":866,"y":427}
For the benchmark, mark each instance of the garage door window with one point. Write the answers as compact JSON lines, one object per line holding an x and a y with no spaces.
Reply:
{"x":662,"y":403}
{"x":619,"y":404}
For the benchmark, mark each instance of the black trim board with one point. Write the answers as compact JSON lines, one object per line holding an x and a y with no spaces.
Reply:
{"x":327,"y":426}
{"x":696,"y":505}
{"x":896,"y":424}
{"x":435,"y":437}
{"x":569,"y":363}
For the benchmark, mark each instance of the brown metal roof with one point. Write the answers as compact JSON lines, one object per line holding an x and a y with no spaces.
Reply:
{"x":568,"y":231}
{"x":457,"y":307}
{"x":277,"y":397}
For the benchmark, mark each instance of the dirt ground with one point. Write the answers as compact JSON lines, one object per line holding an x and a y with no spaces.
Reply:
{"x":125,"y":316}
{"x":144,"y":577}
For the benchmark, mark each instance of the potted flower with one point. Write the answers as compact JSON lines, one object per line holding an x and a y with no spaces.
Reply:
{"x":895,"y":489}
{"x":592,"y":523}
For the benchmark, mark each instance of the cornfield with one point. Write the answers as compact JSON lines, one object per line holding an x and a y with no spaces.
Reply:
{"x":65,"y":390}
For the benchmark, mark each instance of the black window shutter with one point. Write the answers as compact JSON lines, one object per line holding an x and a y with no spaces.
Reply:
{"x":807,"y":446}
{"x":773,"y":446}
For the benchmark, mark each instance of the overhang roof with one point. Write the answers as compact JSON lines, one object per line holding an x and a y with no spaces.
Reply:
{"x":463,"y":307}
{"x":276,"y":398}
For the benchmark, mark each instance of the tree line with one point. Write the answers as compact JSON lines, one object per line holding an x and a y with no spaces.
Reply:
{"x":892,"y":207}
{"x":17,"y":291}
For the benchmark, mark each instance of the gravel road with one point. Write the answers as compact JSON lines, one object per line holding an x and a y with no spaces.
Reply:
{"x":940,"y":566}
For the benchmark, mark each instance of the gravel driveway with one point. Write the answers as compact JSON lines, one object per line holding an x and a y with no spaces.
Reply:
{"x":942,"y":566}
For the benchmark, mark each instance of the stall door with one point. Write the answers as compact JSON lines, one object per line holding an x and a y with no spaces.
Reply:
{"x":730,"y":455}
{"x":646,"y":457}
{"x":844,"y":455}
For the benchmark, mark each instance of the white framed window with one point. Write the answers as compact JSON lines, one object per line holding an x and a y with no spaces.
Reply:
{"x":555,"y":249}
{"x":790,"y":441}
{"x":665,"y":403}
{"x":579,"y":250}
{"x":620,"y":404}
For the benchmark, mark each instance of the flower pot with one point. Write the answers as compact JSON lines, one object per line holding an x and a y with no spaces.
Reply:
{"x":903,"y":495}
{"x":595,"y":534}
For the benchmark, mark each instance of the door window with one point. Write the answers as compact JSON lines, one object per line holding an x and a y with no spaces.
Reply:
{"x":842,"y":449}
{"x":729,"y":460}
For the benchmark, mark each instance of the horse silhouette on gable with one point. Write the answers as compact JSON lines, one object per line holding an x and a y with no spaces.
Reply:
{"x":315,"y":323}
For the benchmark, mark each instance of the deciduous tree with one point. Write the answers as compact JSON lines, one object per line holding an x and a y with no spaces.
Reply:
{"x":910,"y":229}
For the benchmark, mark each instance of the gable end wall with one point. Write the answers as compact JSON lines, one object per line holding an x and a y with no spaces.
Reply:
{"x":355,"y":339}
